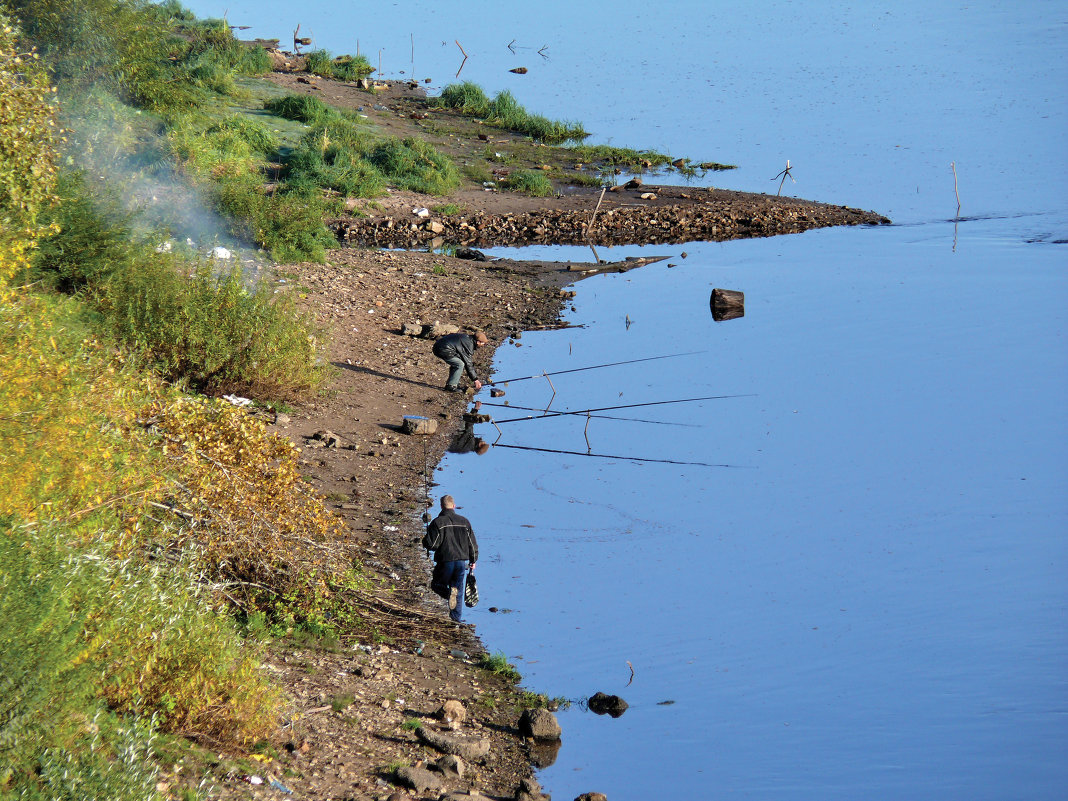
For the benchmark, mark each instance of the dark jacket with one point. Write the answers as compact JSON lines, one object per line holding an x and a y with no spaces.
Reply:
{"x":461,"y":345}
{"x":451,"y":539}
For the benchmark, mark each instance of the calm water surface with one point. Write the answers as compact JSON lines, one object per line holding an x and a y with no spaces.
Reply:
{"x":869,"y":598}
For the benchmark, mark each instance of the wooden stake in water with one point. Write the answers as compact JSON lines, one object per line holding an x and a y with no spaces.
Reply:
{"x":465,"y":56}
{"x":953,"y":166}
{"x":594,"y":215}
{"x":785,"y":174}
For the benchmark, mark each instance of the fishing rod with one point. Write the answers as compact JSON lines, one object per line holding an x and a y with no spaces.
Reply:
{"x":612,"y":456}
{"x":599,"y":366}
{"x":586,"y":412}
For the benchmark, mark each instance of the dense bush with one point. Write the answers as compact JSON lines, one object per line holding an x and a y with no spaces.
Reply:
{"x":27,"y":151}
{"x":211,"y":330}
{"x":90,"y":239}
{"x":157,"y":56}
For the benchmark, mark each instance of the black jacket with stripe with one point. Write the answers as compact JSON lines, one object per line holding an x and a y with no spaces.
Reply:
{"x":451,"y":538}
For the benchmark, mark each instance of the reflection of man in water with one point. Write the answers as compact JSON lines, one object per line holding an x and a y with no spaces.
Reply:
{"x":466,"y":442}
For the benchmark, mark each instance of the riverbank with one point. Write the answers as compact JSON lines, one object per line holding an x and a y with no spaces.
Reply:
{"x":352,"y":705}
{"x":356,"y":707}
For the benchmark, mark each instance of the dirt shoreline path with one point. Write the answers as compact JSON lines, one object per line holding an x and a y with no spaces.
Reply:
{"x":353,"y":708}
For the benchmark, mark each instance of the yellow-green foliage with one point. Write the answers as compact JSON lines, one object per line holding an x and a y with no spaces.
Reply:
{"x":81,"y":475}
{"x":249,"y":515}
{"x":162,"y":650}
{"x":67,"y":437}
{"x":27,"y":153}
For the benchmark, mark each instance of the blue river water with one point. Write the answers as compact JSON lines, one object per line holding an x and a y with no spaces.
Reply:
{"x":866,"y":593}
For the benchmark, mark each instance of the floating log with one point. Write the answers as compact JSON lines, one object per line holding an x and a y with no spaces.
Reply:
{"x":628,"y":263}
{"x":727,"y":304}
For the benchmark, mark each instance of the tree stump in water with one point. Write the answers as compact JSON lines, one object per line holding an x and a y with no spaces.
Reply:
{"x":727,"y":304}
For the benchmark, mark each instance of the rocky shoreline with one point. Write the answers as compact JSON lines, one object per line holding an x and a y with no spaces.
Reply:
{"x":644,"y":214}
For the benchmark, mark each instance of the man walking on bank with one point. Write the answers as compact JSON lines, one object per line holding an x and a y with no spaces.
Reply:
{"x":455,"y":549}
{"x":457,"y":350}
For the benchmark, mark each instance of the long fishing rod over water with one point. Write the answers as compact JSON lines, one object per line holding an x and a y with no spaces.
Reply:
{"x":588,"y":412}
{"x":597,"y":366}
{"x":614,"y":456}
{"x":584,"y":414}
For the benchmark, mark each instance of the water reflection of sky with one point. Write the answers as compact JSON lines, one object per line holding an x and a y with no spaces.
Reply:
{"x":874,"y":603}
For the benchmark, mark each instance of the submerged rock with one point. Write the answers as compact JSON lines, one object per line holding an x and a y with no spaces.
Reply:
{"x":602,"y":704}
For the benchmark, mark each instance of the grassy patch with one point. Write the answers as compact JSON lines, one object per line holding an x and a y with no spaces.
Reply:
{"x":339,"y":703}
{"x":504,"y":111}
{"x":448,"y":209}
{"x":342,"y":68}
{"x":529,"y":182}
{"x":619,"y":156}
{"x":499,"y":665}
{"x":302,"y":108}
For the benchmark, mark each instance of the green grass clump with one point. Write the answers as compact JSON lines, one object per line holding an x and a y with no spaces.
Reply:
{"x":287,"y":223}
{"x":467,"y":98}
{"x":339,"y":703}
{"x":332,"y":155}
{"x":342,"y":68}
{"x":620,"y":156}
{"x":415,"y":165}
{"x":240,"y":131}
{"x":531,"y":182}
{"x":499,"y":665}
{"x":302,"y":108}
{"x":505,"y":111}
{"x":448,"y":209}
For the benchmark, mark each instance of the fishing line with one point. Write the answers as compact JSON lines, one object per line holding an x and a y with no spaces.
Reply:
{"x":598,"y":416}
{"x":622,"y":406}
{"x":598,"y":366}
{"x":611,"y":456}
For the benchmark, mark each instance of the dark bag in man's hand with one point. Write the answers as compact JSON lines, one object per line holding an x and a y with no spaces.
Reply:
{"x":471,"y":591}
{"x":438,"y":583}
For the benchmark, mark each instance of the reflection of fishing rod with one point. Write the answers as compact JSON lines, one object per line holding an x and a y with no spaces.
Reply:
{"x":586,"y":412}
{"x":611,"y":456}
{"x":598,"y":366}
